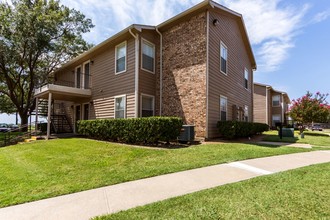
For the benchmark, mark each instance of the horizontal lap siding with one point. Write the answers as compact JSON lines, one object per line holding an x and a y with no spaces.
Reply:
{"x":232,"y":85}
{"x":148,"y":81}
{"x":259,"y":101}
{"x":106,"y":84}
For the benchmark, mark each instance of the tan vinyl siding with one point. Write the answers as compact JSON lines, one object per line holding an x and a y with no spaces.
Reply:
{"x":107,"y":84}
{"x":260,"y":108}
{"x":232,"y":84}
{"x":147,"y":80}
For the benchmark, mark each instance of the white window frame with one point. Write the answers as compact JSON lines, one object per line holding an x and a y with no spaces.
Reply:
{"x":154,"y":46}
{"x":75,"y":77}
{"x":246,"y":113}
{"x":153,"y":103}
{"x":246,"y":78}
{"x":125,"y":102}
{"x":223,"y":97}
{"x":222,"y":45}
{"x":279,"y":100}
{"x":119,"y":45}
{"x":276,"y":115}
{"x":84,"y":74}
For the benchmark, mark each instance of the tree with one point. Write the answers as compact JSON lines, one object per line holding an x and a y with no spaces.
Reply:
{"x":309,"y":109}
{"x":36,"y":36}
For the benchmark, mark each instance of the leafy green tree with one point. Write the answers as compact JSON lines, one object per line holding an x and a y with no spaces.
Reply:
{"x":310,"y":109}
{"x":36,"y":36}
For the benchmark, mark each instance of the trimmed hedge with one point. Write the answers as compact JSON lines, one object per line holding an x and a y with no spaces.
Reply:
{"x":133,"y":130}
{"x":238,"y":129}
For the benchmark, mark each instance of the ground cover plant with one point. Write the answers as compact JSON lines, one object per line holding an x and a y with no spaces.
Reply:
{"x":298,"y":194}
{"x":44,"y":169}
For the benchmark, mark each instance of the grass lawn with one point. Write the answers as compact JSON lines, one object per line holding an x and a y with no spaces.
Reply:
{"x":314,"y":138}
{"x":298,"y":194}
{"x":46,"y":169}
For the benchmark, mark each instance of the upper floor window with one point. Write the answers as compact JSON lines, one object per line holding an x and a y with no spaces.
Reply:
{"x":223,"y":58}
{"x":223,"y":108}
{"x":120,"y":107}
{"x":148,"y":56}
{"x":246,"y":78}
{"x":276,"y":100}
{"x":121,"y":57}
{"x":147,"y":106}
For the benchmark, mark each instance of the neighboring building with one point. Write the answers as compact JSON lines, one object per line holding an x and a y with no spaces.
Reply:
{"x":270,"y":105}
{"x":197,"y":65}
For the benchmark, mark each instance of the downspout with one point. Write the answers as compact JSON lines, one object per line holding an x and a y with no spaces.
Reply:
{"x":207,"y":72}
{"x":160,"y":73}
{"x":267,"y":105}
{"x":136,"y":37}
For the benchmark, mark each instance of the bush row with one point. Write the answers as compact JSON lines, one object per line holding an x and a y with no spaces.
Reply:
{"x":237,"y":129}
{"x":134,"y":130}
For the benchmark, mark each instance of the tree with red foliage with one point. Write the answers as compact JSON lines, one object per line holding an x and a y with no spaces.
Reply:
{"x":310,"y":109}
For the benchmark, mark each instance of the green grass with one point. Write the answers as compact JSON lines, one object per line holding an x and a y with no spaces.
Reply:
{"x":298,"y":194}
{"x":314,"y":138}
{"x":46,"y":169}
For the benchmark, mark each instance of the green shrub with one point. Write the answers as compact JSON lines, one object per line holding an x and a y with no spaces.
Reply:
{"x":133,"y":130}
{"x":237,"y":129}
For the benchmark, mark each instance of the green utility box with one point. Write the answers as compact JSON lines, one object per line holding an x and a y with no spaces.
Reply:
{"x":287,"y":132}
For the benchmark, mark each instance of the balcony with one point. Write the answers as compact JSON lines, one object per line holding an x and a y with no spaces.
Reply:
{"x":65,"y":90}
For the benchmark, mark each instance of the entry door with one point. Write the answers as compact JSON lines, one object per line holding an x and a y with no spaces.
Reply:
{"x":78,"y":77}
{"x":77,"y":117}
{"x":86,"y":112}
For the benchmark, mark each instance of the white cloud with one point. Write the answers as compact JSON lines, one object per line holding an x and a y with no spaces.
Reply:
{"x":321,"y":16}
{"x":271,"y":27}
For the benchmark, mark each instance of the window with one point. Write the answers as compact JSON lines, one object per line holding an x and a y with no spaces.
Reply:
{"x":148,"y":56}
{"x":223,"y":108}
{"x":275,"y":119}
{"x":276,"y":100}
{"x":86,"y":112}
{"x":86,"y":75}
{"x":121,"y":58}
{"x":223,"y":59}
{"x":78,"y":76}
{"x":120,"y":107}
{"x":246,"y":78}
{"x":246,"y":113}
{"x":147,"y":106}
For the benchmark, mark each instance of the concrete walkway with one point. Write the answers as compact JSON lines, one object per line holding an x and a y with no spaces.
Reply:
{"x":110,"y":199}
{"x":299,"y":145}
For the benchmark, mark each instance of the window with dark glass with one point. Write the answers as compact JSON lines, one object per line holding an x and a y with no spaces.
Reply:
{"x":276,"y":100}
{"x":147,"y":106}
{"x":120,"y":107}
{"x":246,"y":78}
{"x":223,"y":58}
{"x":148,"y":56}
{"x":121,"y":58}
{"x":223,"y":108}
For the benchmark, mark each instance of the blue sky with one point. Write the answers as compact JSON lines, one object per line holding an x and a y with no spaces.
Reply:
{"x":290,"y":39}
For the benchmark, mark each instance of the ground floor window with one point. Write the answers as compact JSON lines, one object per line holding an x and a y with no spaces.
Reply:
{"x":147,"y":105}
{"x":120,"y":107}
{"x":86,"y":112}
{"x":276,"y":119}
{"x":246,"y":113}
{"x":223,"y":108}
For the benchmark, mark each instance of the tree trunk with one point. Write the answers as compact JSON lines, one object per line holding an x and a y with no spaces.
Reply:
{"x":24,"y":121}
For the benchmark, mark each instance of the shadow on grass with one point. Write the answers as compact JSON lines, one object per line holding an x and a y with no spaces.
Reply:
{"x":276,"y":138}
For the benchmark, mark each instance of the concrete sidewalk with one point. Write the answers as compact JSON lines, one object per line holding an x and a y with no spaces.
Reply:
{"x":110,"y":199}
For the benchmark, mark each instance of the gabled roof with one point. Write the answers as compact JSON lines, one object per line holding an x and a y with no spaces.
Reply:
{"x":283,"y":93}
{"x":206,"y":4}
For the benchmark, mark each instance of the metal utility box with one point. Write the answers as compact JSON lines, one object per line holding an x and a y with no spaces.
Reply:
{"x":287,"y":132}
{"x":187,"y":133}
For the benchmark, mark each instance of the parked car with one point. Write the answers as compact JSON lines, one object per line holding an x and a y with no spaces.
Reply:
{"x":4,"y":127}
{"x":317,"y":127}
{"x":13,"y":127}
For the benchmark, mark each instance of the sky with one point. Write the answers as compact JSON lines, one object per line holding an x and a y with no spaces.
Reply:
{"x":290,"y":39}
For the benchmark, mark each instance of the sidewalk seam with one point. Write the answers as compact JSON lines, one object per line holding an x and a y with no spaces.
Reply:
{"x":249,"y":168}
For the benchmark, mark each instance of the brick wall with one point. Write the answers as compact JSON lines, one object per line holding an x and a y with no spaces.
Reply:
{"x":184,"y":72}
